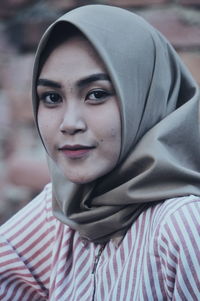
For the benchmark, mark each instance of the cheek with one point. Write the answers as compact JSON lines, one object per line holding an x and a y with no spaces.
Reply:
{"x":115,"y":127}
{"x":115,"y":134}
{"x":110,"y":128}
{"x":111,"y":141}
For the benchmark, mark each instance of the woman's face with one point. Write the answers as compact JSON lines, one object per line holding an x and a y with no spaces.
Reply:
{"x":78,"y":116}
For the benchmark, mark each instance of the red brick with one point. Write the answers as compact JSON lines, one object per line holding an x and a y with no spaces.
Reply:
{"x":12,"y":200}
{"x":6,"y":51}
{"x":132,"y":3}
{"x":17,"y":87}
{"x":5,"y":123}
{"x":192,"y":61}
{"x":5,"y":12}
{"x":175,"y":28}
{"x":30,"y":33}
{"x":70,"y":4}
{"x":18,"y":3}
{"x":189,"y":2}
{"x":8,"y":7}
{"x":63,"y":4}
{"x":27,"y":171}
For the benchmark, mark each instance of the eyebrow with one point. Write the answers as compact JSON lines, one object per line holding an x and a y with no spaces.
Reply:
{"x":80,"y":83}
{"x":48,"y":83}
{"x":92,"y":78}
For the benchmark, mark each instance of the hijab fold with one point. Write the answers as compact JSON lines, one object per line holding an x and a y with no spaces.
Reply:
{"x":159,"y":106}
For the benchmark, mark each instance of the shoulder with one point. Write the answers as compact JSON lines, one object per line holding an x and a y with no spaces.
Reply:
{"x":37,"y":214}
{"x":24,"y":241}
{"x":175,"y":246}
{"x":176,"y":234}
{"x":178,"y":210}
{"x":177,"y":221}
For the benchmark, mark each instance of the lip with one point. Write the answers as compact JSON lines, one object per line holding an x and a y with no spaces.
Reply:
{"x":76,"y":151}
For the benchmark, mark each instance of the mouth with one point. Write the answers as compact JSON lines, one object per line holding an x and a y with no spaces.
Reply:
{"x":76,"y":151}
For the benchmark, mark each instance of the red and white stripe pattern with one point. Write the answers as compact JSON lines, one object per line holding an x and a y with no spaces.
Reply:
{"x":158,"y":259}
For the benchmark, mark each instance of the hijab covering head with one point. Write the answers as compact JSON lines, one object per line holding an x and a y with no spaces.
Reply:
{"x":159,"y":106}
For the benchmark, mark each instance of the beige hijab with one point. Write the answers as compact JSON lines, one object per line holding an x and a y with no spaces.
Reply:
{"x":159,"y":102}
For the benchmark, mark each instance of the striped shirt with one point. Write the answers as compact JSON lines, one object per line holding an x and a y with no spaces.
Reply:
{"x":158,"y":259}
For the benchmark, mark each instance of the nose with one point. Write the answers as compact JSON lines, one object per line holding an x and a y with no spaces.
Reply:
{"x":73,"y":121}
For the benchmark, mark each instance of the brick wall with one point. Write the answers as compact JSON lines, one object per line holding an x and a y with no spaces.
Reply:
{"x":23,"y":170}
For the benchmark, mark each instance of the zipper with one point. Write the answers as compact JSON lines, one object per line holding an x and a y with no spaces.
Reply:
{"x":96,"y":261}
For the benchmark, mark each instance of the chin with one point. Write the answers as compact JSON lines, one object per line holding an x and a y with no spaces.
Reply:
{"x":85,"y":178}
{"x":81,"y":180}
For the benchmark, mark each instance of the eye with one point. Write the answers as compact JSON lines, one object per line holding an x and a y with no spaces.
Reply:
{"x":97,"y":96}
{"x":50,"y":98}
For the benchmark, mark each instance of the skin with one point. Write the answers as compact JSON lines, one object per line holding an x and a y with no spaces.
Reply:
{"x":78,"y":116}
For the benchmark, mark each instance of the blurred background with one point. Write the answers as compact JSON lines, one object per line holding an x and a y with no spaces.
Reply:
{"x":23,"y":169}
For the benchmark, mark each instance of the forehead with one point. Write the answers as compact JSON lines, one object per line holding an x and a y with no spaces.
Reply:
{"x":73,"y":54}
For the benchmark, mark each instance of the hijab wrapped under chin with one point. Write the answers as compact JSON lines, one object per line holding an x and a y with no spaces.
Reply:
{"x":159,"y":105}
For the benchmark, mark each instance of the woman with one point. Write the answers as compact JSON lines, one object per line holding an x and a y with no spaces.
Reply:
{"x":118,"y":114}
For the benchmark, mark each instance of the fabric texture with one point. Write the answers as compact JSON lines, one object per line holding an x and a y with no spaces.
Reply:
{"x":159,"y":104}
{"x":158,"y":259}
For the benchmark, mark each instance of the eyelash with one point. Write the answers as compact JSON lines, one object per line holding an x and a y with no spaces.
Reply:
{"x":99,"y":96}
{"x":51,"y":102}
